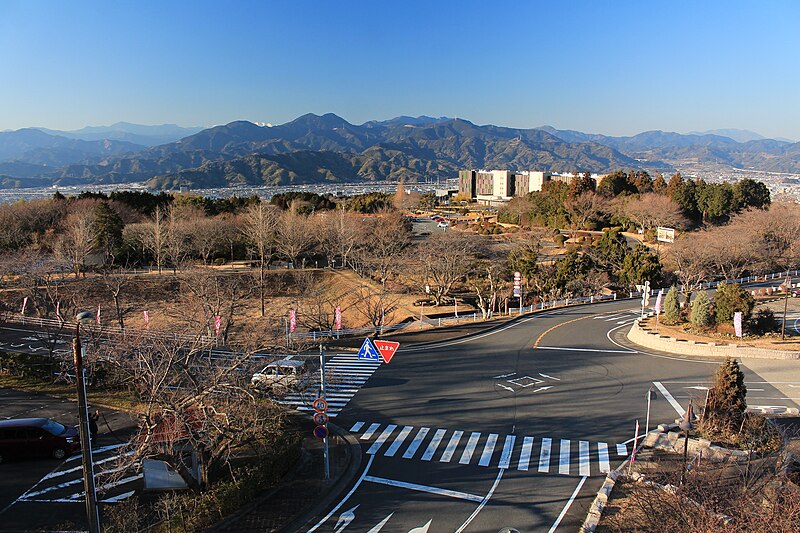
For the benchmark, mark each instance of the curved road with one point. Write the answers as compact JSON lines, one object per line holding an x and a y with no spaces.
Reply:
{"x":511,"y":428}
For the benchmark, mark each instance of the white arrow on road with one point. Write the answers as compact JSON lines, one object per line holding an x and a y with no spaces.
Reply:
{"x":422,"y":529}
{"x":344,"y":519}
{"x":507,"y":388}
{"x":542,"y":388}
{"x":380,"y":525}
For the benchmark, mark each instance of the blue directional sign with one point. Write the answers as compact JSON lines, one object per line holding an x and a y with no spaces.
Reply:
{"x":368,"y":352}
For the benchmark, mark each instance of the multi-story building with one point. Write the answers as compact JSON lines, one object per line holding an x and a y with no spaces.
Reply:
{"x":495,"y":187}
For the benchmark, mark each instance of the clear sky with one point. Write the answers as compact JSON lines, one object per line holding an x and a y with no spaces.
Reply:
{"x":610,"y":67}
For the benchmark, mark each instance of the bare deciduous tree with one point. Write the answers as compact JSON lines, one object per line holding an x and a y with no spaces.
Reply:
{"x":651,"y":210}
{"x":259,"y":224}
{"x":440,"y":262}
{"x":77,"y":239}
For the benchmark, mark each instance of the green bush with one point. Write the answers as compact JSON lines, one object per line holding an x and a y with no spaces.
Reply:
{"x":219,"y":261}
{"x":701,"y":311}
{"x":763,"y":322}
{"x":733,"y":298}
{"x":560,"y":239}
{"x":672,"y":307}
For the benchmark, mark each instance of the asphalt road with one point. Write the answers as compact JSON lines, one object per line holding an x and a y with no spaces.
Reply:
{"x":484,"y":433}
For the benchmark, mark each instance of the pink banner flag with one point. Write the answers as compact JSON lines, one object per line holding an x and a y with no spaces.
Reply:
{"x":24,"y":304}
{"x":292,"y":320}
{"x":737,"y":323}
{"x":217,"y":324}
{"x":146,"y":318}
{"x":98,"y":314}
{"x":338,"y":315}
{"x":658,"y":301}
{"x":58,"y":311}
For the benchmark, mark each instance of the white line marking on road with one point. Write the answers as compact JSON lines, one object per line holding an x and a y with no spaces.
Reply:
{"x":356,"y":427}
{"x":370,"y":430}
{"x":544,"y":455}
{"x":508,"y":447}
{"x":381,"y":439}
{"x":98,"y":451}
{"x":567,"y":349}
{"x":549,"y":377}
{"x":488,"y":449}
{"x":424,"y":488}
{"x":602,"y":457}
{"x":504,"y":387}
{"x":672,"y":401}
{"x":525,"y":454}
{"x":466,"y":457}
{"x":421,"y":529}
{"x":622,"y":450}
{"x":567,"y":506}
{"x":123,"y":496}
{"x":435,"y":441}
{"x":352,"y":490}
{"x":414,"y":446}
{"x":660,"y":356}
{"x":451,"y":447}
{"x":504,"y":375}
{"x":398,"y":441}
{"x":380,"y":524}
{"x":583,"y":458}
{"x":563,"y":458}
{"x":483,"y":502}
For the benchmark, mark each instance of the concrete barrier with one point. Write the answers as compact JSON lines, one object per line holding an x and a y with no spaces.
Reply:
{"x":654,"y":341}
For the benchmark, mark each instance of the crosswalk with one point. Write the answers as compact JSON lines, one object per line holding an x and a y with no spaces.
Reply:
{"x":345,"y":374}
{"x":525,"y":453}
{"x":65,"y":484}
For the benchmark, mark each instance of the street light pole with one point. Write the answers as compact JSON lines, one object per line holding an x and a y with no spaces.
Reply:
{"x":92,"y":512}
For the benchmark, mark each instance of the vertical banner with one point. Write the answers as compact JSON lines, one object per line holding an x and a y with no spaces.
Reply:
{"x":98,"y":314}
{"x":146,"y":318}
{"x":292,"y":320}
{"x":338,"y":318}
{"x":24,"y":305}
{"x":217,"y":324}
{"x":58,"y":311}
{"x":455,"y":305}
{"x":737,"y":323}
{"x":658,"y":301}
{"x":491,"y":307}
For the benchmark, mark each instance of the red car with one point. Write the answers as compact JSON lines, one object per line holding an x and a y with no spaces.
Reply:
{"x":37,"y":437}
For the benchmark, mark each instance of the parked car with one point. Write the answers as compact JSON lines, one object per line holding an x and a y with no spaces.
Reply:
{"x":282,"y":376}
{"x":795,"y":293}
{"x":443,"y":224}
{"x":37,"y":437}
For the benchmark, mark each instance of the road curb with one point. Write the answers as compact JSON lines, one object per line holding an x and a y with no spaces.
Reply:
{"x":600,"y":501}
{"x":303,"y":521}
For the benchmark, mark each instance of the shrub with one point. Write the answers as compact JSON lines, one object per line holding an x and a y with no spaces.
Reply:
{"x":763,"y":322}
{"x":701,"y":311}
{"x":733,"y":298}
{"x":560,"y":239}
{"x":219,"y":261}
{"x":672,"y":308}
{"x":727,"y":398}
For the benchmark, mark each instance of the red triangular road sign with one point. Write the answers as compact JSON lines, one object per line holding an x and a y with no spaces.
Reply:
{"x":387,"y":349}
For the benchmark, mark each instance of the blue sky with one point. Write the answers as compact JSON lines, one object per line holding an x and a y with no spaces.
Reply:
{"x":607,"y":67}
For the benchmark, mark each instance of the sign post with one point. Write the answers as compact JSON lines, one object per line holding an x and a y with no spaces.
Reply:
{"x":645,"y":296}
{"x":320,"y":406}
{"x":518,"y":288}
{"x":368,"y":352}
{"x":387,"y":349}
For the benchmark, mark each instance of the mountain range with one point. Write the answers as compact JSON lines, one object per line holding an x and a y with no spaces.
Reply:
{"x":329,"y":149}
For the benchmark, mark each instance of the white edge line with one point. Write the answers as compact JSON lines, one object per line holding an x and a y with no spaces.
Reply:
{"x":672,"y":401}
{"x":424,"y":488}
{"x":352,"y":490}
{"x":567,"y":506}
{"x":567,"y":349}
{"x":608,"y":335}
{"x":483,"y":503}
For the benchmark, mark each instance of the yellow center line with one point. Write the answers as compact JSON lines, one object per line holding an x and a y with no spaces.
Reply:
{"x":536,"y":344}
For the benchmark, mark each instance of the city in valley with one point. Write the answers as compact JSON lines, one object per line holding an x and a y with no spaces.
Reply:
{"x":559,"y":290}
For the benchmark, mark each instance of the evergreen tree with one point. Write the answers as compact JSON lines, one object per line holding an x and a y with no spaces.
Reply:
{"x":727,"y":398}
{"x":672,"y":307}
{"x":732,"y":298}
{"x":701,"y":311}
{"x":107,"y":230}
{"x":639,"y":266}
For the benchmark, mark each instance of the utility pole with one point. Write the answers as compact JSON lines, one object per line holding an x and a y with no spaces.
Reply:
{"x":92,"y":512}
{"x":325,"y":450}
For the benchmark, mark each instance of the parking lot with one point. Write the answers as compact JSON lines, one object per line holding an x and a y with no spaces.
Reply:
{"x":46,"y":493}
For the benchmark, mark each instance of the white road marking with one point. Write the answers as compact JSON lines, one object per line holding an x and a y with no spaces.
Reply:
{"x":672,"y":401}
{"x":381,"y":439}
{"x":622,"y":450}
{"x":583,"y":458}
{"x":466,"y":457}
{"x":451,"y":447}
{"x":356,"y":427}
{"x":488,"y":449}
{"x":435,"y":441}
{"x":98,"y":451}
{"x":483,"y":502}
{"x":345,"y":518}
{"x":421,"y":529}
{"x":567,"y":349}
{"x":503,"y":386}
{"x":544,"y":455}
{"x":123,"y":496}
{"x":508,"y":447}
{"x":660,"y":356}
{"x":525,"y":454}
{"x":563,"y":458}
{"x":352,"y":490}
{"x":602,"y":457}
{"x":424,"y":488}
{"x":504,"y":375}
{"x":370,"y":430}
{"x":380,"y":524}
{"x":398,"y":441}
{"x":414,"y":446}
{"x":549,"y":377}
{"x":567,"y":506}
